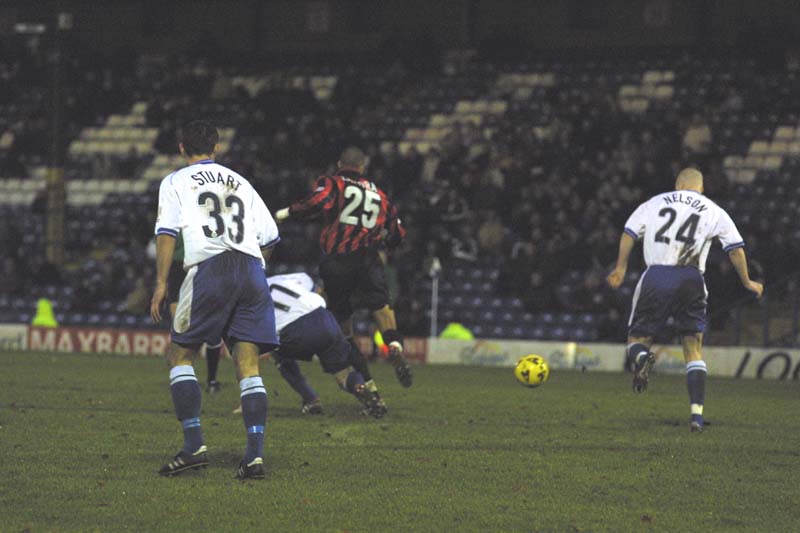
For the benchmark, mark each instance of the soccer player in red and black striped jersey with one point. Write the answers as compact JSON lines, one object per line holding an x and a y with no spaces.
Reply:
{"x":358,"y":220}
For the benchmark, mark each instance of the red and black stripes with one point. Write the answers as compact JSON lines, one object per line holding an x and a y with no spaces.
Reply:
{"x":355,"y":214}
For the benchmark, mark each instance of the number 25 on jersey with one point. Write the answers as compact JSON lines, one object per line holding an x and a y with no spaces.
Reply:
{"x":369,"y":202}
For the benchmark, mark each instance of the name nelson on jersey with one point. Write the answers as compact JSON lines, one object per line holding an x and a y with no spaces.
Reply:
{"x":678,"y":198}
{"x":203,"y":177}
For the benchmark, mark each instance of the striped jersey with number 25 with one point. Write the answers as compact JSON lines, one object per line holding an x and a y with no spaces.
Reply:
{"x":355,"y":214}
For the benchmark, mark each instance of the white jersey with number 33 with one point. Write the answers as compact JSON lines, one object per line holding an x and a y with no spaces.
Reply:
{"x":678,"y":227}
{"x":216,"y":210}
{"x":293,"y":296}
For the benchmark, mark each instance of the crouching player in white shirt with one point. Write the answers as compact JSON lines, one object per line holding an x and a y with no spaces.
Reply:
{"x":305,"y":328}
{"x":677,"y":228}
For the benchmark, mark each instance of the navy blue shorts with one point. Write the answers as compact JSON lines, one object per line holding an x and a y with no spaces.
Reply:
{"x":226,"y":296}
{"x":316,"y":333}
{"x":669,"y":291}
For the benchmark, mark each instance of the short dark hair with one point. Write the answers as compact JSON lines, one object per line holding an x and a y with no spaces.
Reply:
{"x":198,"y":137}
{"x":353,"y":157}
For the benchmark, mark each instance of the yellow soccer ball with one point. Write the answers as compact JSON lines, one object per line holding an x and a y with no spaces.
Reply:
{"x":532,"y":370}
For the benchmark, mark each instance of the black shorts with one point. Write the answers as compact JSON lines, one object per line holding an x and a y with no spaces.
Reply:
{"x":174,"y":281}
{"x":353,"y":276}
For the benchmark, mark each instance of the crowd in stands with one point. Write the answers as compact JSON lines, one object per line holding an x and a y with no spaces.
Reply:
{"x":545,"y":210}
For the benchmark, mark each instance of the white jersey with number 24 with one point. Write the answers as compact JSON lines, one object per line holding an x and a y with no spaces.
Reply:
{"x":677,"y":229}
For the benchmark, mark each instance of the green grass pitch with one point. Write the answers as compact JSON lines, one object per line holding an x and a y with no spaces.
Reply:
{"x":465,"y":449}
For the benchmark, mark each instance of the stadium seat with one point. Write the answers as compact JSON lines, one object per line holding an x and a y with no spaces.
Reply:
{"x":476,"y":302}
{"x":488,"y":316}
{"x":508,"y":317}
{"x":448,"y":314}
{"x":566,"y":319}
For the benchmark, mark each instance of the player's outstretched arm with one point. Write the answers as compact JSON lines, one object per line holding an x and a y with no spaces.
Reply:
{"x":617,"y":275}
{"x":739,"y":261}
{"x":165,"y":248}
{"x":321,"y":199}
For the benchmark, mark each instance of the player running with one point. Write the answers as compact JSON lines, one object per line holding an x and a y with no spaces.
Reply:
{"x":306,"y":328}
{"x":228,"y":236}
{"x":677,"y":229}
{"x":357,"y":220}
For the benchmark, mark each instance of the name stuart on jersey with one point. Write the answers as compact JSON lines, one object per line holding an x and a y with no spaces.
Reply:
{"x":678,"y":198}
{"x":204,"y":177}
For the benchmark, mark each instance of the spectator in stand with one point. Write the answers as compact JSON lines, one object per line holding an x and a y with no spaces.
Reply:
{"x":464,"y":246}
{"x":166,"y":140}
{"x":138,"y":300}
{"x":515,"y":272}
{"x":10,"y":280}
{"x":430,"y":165}
{"x":491,"y":234}
{"x":731,"y":100}
{"x":612,"y":326}
{"x":697,"y":136}
{"x":723,"y":290}
{"x":538,"y":294}
{"x":154,"y":115}
{"x":42,"y":271}
{"x":454,"y":207}
{"x":222,"y":86}
{"x":128,"y":164}
{"x":590,"y":294}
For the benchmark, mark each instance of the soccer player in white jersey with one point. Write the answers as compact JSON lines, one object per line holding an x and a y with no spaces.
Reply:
{"x":228,"y":235}
{"x":306,"y":328}
{"x":677,"y":229}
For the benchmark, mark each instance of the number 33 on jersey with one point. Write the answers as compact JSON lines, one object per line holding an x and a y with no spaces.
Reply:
{"x":678,"y":227}
{"x":215,"y":209}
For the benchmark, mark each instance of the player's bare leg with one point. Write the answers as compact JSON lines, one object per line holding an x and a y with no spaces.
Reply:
{"x":388,"y":326}
{"x":186,"y":397}
{"x":696,"y":372}
{"x":254,"y":408}
{"x":642,"y":360}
